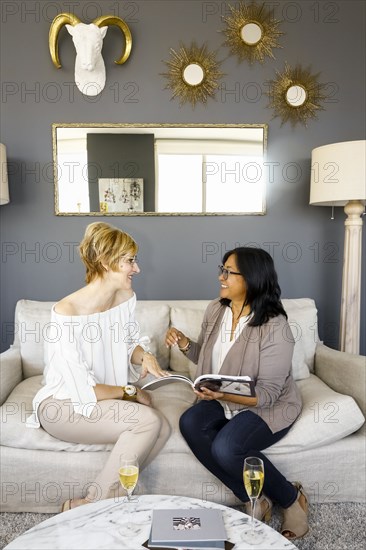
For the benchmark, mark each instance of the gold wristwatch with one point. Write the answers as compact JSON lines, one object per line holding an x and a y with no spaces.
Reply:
{"x":129,"y":392}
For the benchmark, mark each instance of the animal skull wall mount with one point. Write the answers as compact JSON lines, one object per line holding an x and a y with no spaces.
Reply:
{"x":88,"y":42}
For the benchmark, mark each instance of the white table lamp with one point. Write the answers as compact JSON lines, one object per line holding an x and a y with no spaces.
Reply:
{"x":338,"y":178}
{"x":4,"y":188}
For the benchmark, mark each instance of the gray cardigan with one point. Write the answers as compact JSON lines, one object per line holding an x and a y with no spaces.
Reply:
{"x":264,"y":353}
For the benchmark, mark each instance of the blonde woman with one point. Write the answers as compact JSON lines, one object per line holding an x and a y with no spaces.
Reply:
{"x":92,"y":358}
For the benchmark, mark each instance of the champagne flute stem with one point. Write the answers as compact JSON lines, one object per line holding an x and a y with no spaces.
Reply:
{"x":252,"y":504}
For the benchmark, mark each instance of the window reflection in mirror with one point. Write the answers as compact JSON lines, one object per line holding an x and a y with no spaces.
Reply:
{"x":159,"y":170}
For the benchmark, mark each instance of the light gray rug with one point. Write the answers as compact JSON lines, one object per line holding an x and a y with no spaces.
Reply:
{"x":339,"y":526}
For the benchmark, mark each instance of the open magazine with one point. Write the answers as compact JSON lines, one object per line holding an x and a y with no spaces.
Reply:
{"x":236,"y":385}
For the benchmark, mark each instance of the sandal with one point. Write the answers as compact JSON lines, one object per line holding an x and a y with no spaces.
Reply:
{"x":295,"y":517}
{"x":66,"y":505}
{"x":262,"y":509}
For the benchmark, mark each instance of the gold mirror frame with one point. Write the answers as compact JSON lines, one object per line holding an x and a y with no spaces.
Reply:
{"x":183,"y":58}
{"x":182,"y":132}
{"x":251,"y":14}
{"x":314,"y":94}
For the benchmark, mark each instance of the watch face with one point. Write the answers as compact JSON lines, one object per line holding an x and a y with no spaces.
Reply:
{"x":130,"y":389}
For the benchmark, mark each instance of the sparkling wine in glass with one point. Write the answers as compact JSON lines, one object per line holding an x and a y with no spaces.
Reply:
{"x":128,"y":473}
{"x":253,"y":474}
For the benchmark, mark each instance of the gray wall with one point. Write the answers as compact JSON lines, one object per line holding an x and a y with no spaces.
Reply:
{"x":179,"y":255}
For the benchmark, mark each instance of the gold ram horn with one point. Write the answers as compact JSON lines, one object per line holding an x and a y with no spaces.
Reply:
{"x":59,"y":21}
{"x":106,"y":20}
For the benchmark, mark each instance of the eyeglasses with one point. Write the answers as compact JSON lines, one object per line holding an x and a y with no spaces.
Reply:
{"x":226,"y":272}
{"x":131,"y":261}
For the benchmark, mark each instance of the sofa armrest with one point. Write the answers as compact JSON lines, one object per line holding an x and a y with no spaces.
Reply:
{"x":343,"y":372}
{"x":10,"y":372}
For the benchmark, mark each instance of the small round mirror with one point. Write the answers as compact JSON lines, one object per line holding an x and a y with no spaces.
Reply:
{"x":251,"y":33}
{"x":296,"y":96}
{"x":193,"y":74}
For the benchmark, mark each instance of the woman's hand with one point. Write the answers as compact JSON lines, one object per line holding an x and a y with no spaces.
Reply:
{"x":175,"y":337}
{"x":143,"y":397}
{"x":208,"y":395}
{"x":150,"y":364}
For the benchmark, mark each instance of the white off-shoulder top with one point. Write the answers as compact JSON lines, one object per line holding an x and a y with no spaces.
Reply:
{"x":84,"y":350}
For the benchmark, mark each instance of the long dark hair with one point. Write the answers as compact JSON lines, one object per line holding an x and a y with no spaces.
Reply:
{"x":262,"y":289}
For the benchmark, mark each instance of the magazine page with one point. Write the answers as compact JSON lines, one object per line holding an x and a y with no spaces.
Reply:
{"x":159,"y":382}
{"x":235,"y":385}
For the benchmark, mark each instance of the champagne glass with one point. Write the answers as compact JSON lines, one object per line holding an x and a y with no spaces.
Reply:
{"x":253,"y":474}
{"x":128,"y":473}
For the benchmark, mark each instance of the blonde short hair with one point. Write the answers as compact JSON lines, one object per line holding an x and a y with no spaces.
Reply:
{"x":104,"y":244}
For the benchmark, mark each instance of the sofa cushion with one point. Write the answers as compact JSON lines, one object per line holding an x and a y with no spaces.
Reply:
{"x":172,"y":400}
{"x":32,"y":319}
{"x":188,"y":319}
{"x":153,"y":318}
{"x":327,"y":416}
{"x":14,"y":432}
{"x":302,"y":318}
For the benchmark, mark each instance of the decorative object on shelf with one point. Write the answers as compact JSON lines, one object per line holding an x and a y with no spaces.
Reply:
{"x":121,"y":195}
{"x":251,"y":32}
{"x":338,"y":176}
{"x":194,"y":74}
{"x":88,"y":42}
{"x":4,"y":186}
{"x":295,"y":95}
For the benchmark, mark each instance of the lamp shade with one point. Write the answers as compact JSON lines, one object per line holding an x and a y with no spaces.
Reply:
{"x":4,"y":188}
{"x":338,"y":173}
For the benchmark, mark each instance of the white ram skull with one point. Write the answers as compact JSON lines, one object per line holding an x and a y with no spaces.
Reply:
{"x":88,"y":41}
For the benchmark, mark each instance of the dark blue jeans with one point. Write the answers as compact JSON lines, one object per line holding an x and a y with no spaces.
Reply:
{"x":221,"y":445}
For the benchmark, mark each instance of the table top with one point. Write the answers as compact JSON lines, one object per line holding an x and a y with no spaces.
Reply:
{"x":126,"y":525}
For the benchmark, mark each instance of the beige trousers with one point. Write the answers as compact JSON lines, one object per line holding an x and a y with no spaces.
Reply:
{"x":130,"y":425}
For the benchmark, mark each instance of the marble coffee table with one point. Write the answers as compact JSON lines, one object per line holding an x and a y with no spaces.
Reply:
{"x":117,"y":524}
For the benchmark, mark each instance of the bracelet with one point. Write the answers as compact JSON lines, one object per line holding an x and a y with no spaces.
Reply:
{"x":187,"y":347}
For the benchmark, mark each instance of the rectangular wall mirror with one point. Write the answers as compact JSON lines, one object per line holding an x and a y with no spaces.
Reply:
{"x":159,"y":169}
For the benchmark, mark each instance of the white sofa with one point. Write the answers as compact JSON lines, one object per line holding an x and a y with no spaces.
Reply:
{"x":325,"y":449}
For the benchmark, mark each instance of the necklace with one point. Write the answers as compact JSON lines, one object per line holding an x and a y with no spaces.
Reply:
{"x":226,"y":345}
{"x":234,"y":324}
{"x":240,"y":314}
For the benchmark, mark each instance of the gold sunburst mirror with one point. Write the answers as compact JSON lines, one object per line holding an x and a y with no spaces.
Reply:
{"x":193,"y":75}
{"x":295,"y":95}
{"x":251,"y":32}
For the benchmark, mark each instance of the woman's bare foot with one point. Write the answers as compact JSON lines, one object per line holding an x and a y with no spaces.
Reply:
{"x":75,"y":502}
{"x":72,"y":503}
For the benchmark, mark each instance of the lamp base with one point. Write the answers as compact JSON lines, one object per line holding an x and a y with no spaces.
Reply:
{"x":349,"y":337}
